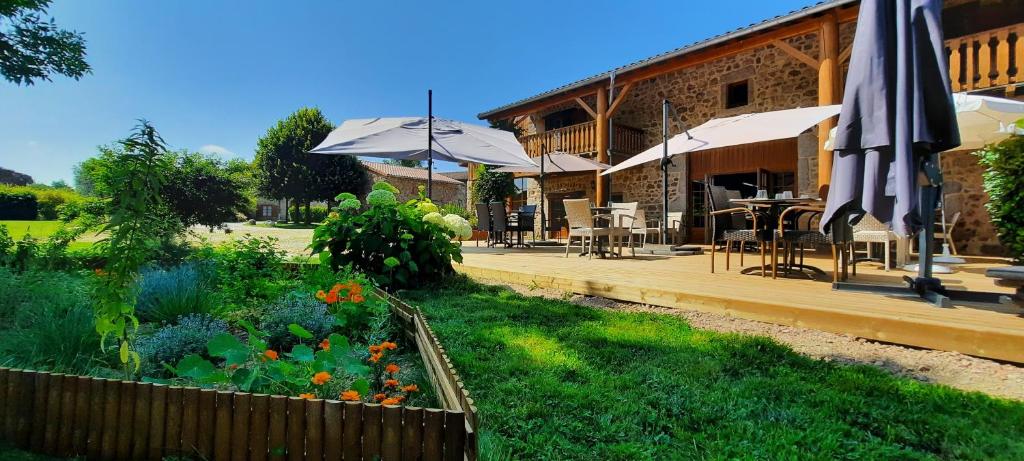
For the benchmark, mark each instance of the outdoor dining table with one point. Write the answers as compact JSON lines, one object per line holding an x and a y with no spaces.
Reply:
{"x":604,"y":214}
{"x":772,"y":209}
{"x":513,"y":217}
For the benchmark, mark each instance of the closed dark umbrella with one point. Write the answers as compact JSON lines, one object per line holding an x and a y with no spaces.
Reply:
{"x":897,"y":115}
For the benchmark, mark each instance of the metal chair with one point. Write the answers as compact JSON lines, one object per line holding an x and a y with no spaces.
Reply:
{"x":729,"y":224}
{"x":499,"y":222}
{"x":793,"y":238}
{"x":483,"y":222}
{"x":524,"y":221}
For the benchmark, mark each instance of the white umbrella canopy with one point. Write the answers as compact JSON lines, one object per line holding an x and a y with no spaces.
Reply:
{"x":557,"y":162}
{"x":982,"y":120}
{"x":735,"y":131}
{"x":406,"y":138}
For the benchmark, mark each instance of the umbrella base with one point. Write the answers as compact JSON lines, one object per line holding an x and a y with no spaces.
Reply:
{"x":926,"y":289}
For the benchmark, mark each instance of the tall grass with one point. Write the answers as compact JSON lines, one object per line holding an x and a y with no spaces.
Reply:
{"x":164,"y":295}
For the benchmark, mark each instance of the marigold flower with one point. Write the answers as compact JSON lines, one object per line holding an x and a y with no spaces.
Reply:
{"x":391,"y":401}
{"x":391,"y":368}
{"x":388,"y":345}
{"x":391,"y":383}
{"x":331,"y":298}
{"x":321,"y":295}
{"x":376,"y":357}
{"x":358,"y":298}
{"x":350,"y":396}
{"x":325,"y":344}
{"x":375,"y":349}
{"x":320,"y":378}
{"x":269,"y":354}
{"x":379,"y":397}
{"x":411,"y":388}
{"x":233,"y":366}
{"x":337,"y":287}
{"x":307,"y":396}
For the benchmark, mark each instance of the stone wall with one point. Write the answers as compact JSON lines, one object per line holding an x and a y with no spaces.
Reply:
{"x":408,"y":189}
{"x":974,"y":234}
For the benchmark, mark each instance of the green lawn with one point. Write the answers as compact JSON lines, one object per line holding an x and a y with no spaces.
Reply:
{"x":554,"y":380}
{"x":38,"y":229}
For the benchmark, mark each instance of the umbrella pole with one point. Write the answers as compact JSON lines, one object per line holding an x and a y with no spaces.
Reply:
{"x":664,"y":170}
{"x":543,"y":222}
{"x":430,"y":144}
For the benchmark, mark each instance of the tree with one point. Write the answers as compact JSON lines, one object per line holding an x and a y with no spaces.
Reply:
{"x":92,"y":174}
{"x":202,"y":190}
{"x":33,"y":48}
{"x":405,"y":162}
{"x":284,"y":168}
{"x":60,"y":184}
{"x":492,"y":186}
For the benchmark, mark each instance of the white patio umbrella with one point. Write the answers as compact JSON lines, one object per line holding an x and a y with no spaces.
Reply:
{"x":407,"y":138}
{"x":557,"y":162}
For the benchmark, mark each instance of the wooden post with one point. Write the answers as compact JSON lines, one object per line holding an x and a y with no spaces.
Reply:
{"x":601,"y":182}
{"x":828,"y":94}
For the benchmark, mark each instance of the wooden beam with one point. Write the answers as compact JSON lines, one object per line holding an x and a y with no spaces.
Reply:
{"x":618,"y":99}
{"x":799,"y":55}
{"x":828,"y":94}
{"x":845,"y":54}
{"x":602,"y":145}
{"x":586,"y":107}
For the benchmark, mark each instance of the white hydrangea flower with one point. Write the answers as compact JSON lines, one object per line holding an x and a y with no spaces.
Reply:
{"x":434,"y":218}
{"x":458,"y":225}
{"x":381,"y":197}
{"x":427,"y":207}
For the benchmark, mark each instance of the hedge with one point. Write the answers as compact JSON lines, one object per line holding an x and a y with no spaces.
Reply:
{"x":18,"y":206}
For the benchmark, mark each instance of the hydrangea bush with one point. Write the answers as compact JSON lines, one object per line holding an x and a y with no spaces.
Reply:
{"x":396,"y":244}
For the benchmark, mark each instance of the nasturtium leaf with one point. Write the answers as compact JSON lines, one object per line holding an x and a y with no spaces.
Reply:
{"x":339,"y":344}
{"x":195,"y":367}
{"x":228,"y":347}
{"x":356,"y":368}
{"x":362,"y":386}
{"x":244,"y":378}
{"x":302,"y":353}
{"x":297,"y":330}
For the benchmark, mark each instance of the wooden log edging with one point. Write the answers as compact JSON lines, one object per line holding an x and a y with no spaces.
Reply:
{"x":448,"y":386}
{"x":106,"y":419}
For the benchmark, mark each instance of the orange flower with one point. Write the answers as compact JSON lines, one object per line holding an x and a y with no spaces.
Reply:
{"x":411,"y":388}
{"x":388,"y":345}
{"x":358,"y":298}
{"x":332,"y":297}
{"x":376,"y":357}
{"x":321,"y":295}
{"x":391,"y":401}
{"x":391,"y":383}
{"x":375,"y":349}
{"x":391,"y":368}
{"x":350,"y":396}
{"x":325,"y":344}
{"x":320,"y":378}
{"x":100,"y":272}
{"x":233,"y":366}
{"x":269,"y":354}
{"x":379,"y":397}
{"x":307,"y":396}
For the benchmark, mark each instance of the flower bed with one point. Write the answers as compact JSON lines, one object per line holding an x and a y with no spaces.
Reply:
{"x":68,"y":415}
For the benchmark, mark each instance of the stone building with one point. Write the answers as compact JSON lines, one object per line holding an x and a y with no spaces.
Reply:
{"x":406,"y":179}
{"x":791,"y":61}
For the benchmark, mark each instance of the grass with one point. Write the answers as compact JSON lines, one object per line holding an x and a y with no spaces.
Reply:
{"x":554,"y":380}
{"x":287,"y":225}
{"x":38,"y":229}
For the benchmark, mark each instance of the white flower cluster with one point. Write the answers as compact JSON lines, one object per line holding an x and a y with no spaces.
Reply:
{"x":453,"y":222}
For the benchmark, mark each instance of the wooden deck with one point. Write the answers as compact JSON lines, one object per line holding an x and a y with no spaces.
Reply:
{"x":993,"y":331}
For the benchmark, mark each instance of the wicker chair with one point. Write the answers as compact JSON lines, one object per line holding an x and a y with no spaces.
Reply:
{"x":870,"y":230}
{"x":483,"y":221}
{"x":581,"y":224}
{"x":729,"y":224}
{"x":499,"y":222}
{"x":793,"y":238}
{"x":637,"y":225}
{"x":675,"y":226}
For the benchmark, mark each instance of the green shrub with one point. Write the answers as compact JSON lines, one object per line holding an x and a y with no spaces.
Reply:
{"x":317,"y":214}
{"x":1004,"y":182}
{"x":299,"y":308}
{"x":165,"y":295}
{"x":171,"y":343}
{"x":247,"y":270}
{"x":18,"y":204}
{"x":52,"y":199}
{"x":396,"y":245}
{"x":459,"y":210}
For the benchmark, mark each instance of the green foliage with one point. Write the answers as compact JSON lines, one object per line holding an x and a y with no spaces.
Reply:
{"x":171,"y":343}
{"x":390,"y":242}
{"x":134,"y":229}
{"x":492,"y":186}
{"x":33,"y":48}
{"x":202,"y":190}
{"x":47,"y":322}
{"x":17,"y":203}
{"x":299,"y":308}
{"x":556,"y":380}
{"x":163,"y":295}
{"x":247,"y":270}
{"x":1004,"y":182}
{"x":459,"y":210}
{"x":285,"y":169}
{"x":317,"y":214}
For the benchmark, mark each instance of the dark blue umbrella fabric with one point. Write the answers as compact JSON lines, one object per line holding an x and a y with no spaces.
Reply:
{"x":897,"y":113}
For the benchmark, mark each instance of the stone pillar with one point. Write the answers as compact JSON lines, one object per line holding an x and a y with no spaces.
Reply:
{"x":602,"y":145}
{"x":828,"y":93}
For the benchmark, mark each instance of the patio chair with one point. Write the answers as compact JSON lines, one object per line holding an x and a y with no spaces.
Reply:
{"x":581,"y":224}
{"x":483,"y":222}
{"x":525,"y":220}
{"x":499,"y":222}
{"x":870,"y":231}
{"x":947,"y":236}
{"x":796,"y":239}
{"x":637,"y":225}
{"x":729,"y":224}
{"x":675,"y":226}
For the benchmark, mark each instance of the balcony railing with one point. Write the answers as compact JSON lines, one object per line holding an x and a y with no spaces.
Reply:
{"x":582,"y":139}
{"x":988,"y":59}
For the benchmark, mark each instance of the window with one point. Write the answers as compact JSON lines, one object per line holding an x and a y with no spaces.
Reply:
{"x":737,"y":94}
{"x":267,"y":211}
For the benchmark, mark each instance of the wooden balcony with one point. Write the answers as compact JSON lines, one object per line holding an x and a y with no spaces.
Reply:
{"x":988,"y":59}
{"x":582,"y":139}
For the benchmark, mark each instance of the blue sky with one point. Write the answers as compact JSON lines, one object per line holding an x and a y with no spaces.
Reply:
{"x":215,"y":75}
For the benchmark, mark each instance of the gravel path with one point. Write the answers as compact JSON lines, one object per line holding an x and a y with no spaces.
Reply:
{"x":950,"y":368}
{"x":292,"y":241}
